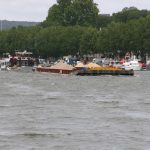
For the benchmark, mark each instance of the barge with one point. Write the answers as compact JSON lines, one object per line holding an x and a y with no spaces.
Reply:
{"x":59,"y":68}
{"x":90,"y":72}
{"x":93,"y":69}
{"x":90,"y":69}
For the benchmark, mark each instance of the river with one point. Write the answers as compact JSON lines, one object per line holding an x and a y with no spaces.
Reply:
{"x":41,"y":111}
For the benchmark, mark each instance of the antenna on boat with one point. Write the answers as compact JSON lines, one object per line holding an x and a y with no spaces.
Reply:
{"x":1,"y":25}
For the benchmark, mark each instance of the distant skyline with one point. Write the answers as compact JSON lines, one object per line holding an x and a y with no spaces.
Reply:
{"x":37,"y":10}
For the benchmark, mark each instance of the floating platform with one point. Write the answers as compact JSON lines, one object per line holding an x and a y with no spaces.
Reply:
{"x":105,"y":72}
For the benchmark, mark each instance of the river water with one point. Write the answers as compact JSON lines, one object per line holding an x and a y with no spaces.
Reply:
{"x":40,"y":111}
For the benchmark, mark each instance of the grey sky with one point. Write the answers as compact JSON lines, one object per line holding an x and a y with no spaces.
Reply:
{"x":37,"y":10}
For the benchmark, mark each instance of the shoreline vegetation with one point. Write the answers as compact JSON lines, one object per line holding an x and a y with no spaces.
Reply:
{"x":79,"y":28}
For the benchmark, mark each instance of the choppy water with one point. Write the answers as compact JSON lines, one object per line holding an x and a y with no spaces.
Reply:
{"x":60,"y":112}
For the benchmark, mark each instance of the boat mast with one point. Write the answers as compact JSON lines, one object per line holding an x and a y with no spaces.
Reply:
{"x":1,"y":25}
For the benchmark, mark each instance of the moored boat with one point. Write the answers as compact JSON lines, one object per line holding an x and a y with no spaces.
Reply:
{"x":5,"y":62}
{"x":132,"y":64}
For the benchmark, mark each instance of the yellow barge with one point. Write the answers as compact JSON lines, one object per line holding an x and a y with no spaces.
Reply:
{"x":104,"y":71}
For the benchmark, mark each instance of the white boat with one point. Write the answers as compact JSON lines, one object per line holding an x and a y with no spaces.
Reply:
{"x":23,"y":58}
{"x":133,"y":64}
{"x":4,"y":64}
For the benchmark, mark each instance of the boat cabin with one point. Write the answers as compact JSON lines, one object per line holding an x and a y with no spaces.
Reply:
{"x":23,"y":58}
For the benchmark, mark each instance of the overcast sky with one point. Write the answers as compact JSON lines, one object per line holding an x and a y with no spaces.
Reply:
{"x":37,"y":10}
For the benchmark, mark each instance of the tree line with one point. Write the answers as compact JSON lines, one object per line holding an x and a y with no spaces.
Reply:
{"x":73,"y":27}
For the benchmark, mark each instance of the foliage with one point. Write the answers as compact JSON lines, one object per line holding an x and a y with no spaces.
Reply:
{"x":131,"y":13}
{"x":103,"y":20}
{"x":72,"y":12}
{"x":68,"y":32}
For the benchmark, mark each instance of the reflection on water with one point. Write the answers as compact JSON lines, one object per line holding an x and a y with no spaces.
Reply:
{"x":61,"y":112}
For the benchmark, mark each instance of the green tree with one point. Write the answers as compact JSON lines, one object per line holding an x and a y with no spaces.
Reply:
{"x":103,"y":21}
{"x":127,"y":14}
{"x":72,"y":12}
{"x":88,"y":41}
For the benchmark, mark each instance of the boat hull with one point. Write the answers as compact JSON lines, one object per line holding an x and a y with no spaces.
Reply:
{"x":105,"y":72}
{"x":49,"y":70}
